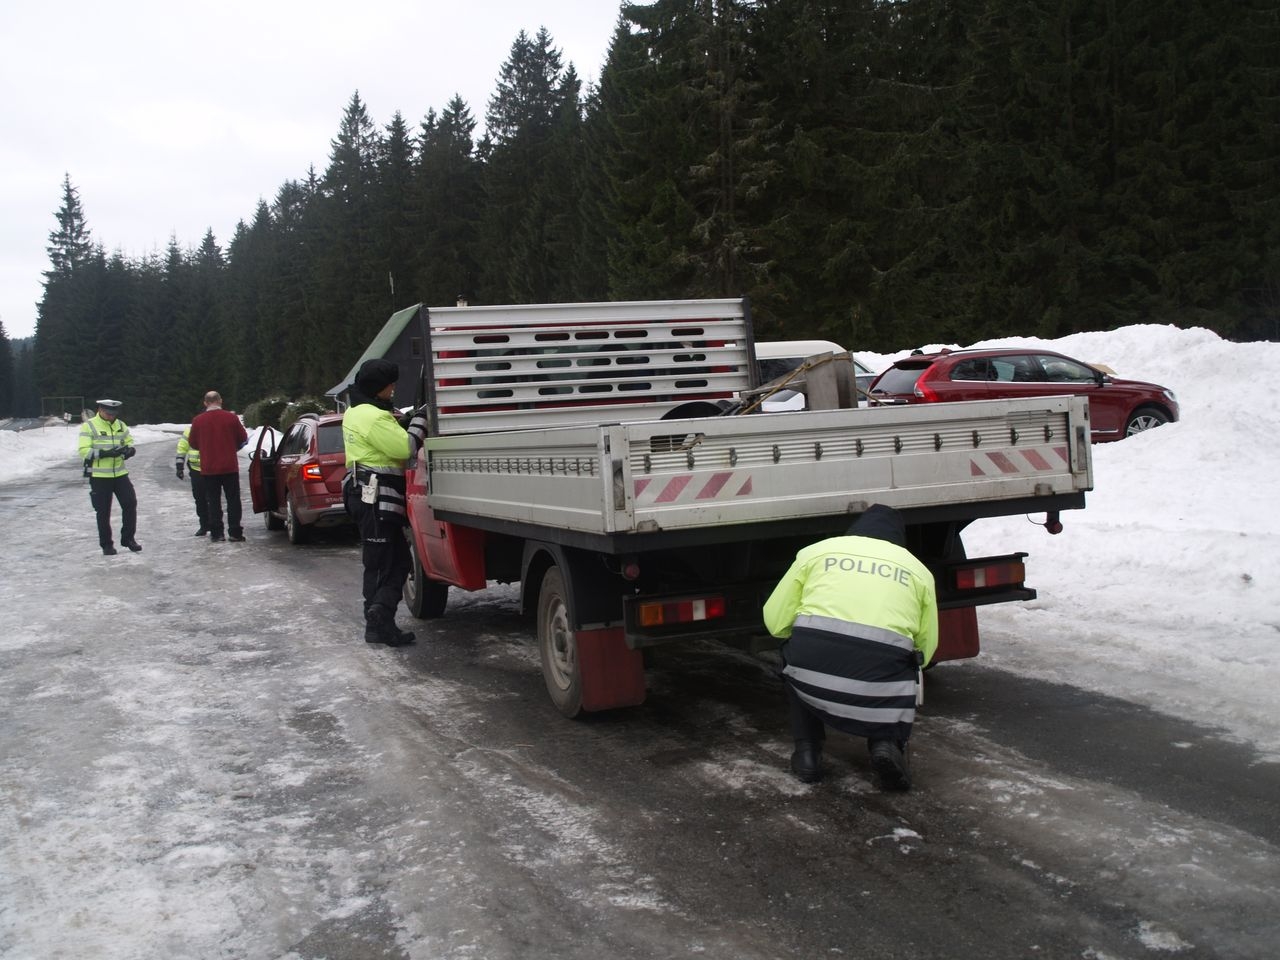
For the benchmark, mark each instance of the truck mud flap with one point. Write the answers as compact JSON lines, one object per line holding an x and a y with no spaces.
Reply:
{"x":612,"y":674}
{"x":957,"y":634}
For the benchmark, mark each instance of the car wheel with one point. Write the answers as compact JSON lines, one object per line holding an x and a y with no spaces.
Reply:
{"x":1145,"y":418}
{"x":298,"y":532}
{"x":557,"y":645}
{"x":426,"y":599}
{"x":272,"y":521}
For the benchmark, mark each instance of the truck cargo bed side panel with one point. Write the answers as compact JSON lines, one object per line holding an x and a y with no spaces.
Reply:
{"x":683,"y":474}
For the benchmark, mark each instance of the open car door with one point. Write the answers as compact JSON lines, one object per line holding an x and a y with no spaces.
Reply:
{"x":262,"y":472}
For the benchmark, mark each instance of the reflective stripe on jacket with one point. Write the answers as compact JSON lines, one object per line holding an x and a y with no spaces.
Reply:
{"x":97,"y":435}
{"x":187,"y":451}
{"x":861,"y":679}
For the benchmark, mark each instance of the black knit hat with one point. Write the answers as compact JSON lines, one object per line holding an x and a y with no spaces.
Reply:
{"x":881,"y":523}
{"x":374,"y":376}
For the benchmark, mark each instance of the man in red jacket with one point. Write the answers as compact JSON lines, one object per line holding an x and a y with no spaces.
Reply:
{"x":218,"y":434}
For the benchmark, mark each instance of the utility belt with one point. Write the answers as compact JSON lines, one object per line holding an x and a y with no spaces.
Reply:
{"x":380,"y":486}
{"x":362,"y":474}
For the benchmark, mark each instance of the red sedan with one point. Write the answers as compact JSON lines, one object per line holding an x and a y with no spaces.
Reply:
{"x":1117,"y":408}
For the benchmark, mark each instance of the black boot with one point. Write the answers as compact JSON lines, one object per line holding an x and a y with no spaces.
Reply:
{"x":806,"y":761}
{"x":380,"y":627}
{"x":108,"y":551}
{"x":133,"y":545}
{"x":889,"y":761}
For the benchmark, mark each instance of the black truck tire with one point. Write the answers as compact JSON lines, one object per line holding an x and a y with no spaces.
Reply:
{"x":556,"y":645}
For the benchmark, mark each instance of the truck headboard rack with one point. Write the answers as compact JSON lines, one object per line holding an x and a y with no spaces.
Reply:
{"x":525,"y":366}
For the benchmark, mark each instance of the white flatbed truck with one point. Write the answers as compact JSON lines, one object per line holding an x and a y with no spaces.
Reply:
{"x":597,"y":454}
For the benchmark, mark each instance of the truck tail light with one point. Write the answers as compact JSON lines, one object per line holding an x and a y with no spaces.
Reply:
{"x":1003,"y":573}
{"x":657,"y":613}
{"x":312,"y":472}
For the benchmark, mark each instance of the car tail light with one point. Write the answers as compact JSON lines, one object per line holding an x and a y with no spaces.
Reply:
{"x":312,"y":472}
{"x":924,"y":391}
{"x":658,"y":613}
{"x":1004,"y":572}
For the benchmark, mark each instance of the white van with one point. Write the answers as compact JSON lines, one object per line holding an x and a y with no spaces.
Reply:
{"x":778,"y":357}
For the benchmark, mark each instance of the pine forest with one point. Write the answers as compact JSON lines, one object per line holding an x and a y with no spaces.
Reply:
{"x":882,"y":173}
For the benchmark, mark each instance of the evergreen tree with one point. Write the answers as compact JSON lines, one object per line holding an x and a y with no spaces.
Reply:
{"x":815,"y":61}
{"x":6,"y":374}
{"x":688,"y":151}
{"x":646,"y":151}
{"x":352,"y":287}
{"x":450,"y":198}
{"x":64,"y":314}
{"x":297,"y":242}
{"x":524,"y":215}
{"x":397,"y":207}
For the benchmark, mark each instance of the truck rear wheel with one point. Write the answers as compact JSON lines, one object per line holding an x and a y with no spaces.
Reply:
{"x":426,"y":599}
{"x":557,"y":645}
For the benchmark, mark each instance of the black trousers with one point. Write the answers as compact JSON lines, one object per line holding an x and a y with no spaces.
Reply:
{"x":198,"y":495}
{"x":805,"y":724}
{"x":101,"y":492}
{"x":215,"y":484}
{"x":385,"y":554}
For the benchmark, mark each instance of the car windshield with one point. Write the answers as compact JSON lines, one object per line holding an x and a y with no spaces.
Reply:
{"x":330,"y":438}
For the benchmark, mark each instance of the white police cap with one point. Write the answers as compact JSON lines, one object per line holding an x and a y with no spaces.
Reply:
{"x":110,"y":404}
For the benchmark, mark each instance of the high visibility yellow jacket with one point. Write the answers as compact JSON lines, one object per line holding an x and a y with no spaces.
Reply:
{"x":187,"y":451}
{"x":374,"y":439}
{"x":861,"y":615}
{"x":860,"y":581}
{"x":97,"y":436}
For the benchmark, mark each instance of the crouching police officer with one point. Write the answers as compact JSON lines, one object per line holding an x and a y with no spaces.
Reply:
{"x":861,"y":617}
{"x":378,"y":449}
{"x":105,"y":445}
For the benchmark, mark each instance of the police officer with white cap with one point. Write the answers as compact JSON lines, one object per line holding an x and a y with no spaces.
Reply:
{"x":105,"y":445}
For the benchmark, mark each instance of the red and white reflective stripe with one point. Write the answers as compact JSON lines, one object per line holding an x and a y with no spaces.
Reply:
{"x":1006,"y":463}
{"x":722,"y":485}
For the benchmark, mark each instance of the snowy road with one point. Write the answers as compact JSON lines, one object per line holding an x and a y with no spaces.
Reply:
{"x":201,"y":759}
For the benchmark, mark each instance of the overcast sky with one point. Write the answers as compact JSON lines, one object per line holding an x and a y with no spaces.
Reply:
{"x":172,"y":119}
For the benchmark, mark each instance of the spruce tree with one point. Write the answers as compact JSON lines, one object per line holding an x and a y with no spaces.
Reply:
{"x":64,"y":315}
{"x":450,"y":198}
{"x":523,"y":216}
{"x":6,"y":374}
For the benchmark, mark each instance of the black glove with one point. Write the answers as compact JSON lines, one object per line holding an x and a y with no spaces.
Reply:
{"x":127,"y":452}
{"x":180,"y":473}
{"x":108,"y":453}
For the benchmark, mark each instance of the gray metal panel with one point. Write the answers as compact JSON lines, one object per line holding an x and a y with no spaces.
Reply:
{"x":683,"y":474}
{"x":521,"y":366}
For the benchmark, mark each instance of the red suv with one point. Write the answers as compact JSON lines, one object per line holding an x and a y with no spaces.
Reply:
{"x":297,"y":483}
{"x":1117,"y":408}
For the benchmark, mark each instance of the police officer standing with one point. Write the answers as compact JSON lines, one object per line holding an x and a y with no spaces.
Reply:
{"x":188,"y":460}
{"x":378,"y":449}
{"x":105,"y":444}
{"x":861,"y":617}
